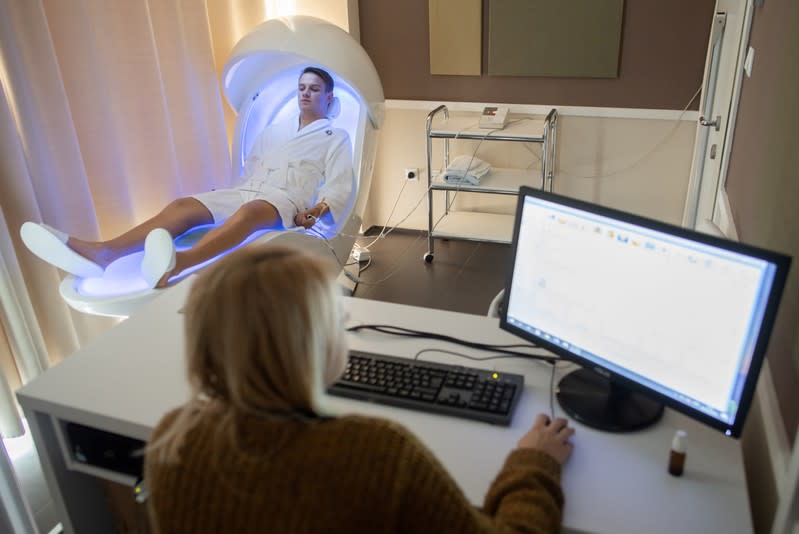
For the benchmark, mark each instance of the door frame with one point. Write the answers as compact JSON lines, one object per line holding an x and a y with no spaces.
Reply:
{"x":703,"y":206}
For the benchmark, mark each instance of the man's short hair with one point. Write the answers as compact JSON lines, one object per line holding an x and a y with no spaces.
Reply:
{"x":327,"y":78}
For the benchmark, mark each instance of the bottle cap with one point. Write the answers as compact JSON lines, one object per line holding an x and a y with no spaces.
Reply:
{"x":678,"y":441}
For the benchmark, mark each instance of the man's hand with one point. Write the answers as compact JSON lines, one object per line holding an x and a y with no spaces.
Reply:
{"x":308,"y":217}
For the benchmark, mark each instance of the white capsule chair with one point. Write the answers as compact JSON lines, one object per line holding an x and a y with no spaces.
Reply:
{"x":260,"y":83}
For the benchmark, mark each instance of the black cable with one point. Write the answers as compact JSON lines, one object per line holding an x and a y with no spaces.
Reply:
{"x":461,"y":355}
{"x":552,"y":393}
{"x":409,"y":332}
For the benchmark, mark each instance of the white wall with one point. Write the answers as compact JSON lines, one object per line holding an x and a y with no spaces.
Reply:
{"x":342,"y":13}
{"x":635,"y":160}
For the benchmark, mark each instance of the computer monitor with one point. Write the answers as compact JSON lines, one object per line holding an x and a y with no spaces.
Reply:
{"x":654,"y":314}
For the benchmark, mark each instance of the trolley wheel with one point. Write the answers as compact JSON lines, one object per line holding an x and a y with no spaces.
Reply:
{"x":428,"y":257}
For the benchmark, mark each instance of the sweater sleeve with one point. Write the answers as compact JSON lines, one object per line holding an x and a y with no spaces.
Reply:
{"x":526,"y":494}
{"x":525,"y":497}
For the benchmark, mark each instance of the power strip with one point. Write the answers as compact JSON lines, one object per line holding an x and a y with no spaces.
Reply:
{"x":360,"y":254}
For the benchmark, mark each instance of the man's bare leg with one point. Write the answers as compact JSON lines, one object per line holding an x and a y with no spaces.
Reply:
{"x":252,"y":216}
{"x":179,"y":216}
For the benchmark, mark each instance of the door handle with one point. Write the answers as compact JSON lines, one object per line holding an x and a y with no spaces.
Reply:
{"x":715,"y":123}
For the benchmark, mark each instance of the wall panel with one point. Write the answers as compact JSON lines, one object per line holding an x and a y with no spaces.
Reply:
{"x":661,"y":64}
{"x":567,"y":38}
{"x":455,"y":36}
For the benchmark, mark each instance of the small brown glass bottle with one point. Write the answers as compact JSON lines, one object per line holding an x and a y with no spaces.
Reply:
{"x":677,"y":454}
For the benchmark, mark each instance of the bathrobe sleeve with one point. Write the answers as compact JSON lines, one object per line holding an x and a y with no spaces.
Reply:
{"x":339,"y":183}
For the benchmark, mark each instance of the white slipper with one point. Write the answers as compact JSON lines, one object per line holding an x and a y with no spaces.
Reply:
{"x":159,"y":256}
{"x":51,"y":245}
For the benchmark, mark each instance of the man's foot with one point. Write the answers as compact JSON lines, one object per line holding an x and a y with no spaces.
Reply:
{"x":98,"y":252}
{"x":164,"y":281}
{"x":51,"y":245}
{"x":159,"y":258}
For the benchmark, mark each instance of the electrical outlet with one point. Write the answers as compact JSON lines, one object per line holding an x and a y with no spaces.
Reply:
{"x":412,"y":175}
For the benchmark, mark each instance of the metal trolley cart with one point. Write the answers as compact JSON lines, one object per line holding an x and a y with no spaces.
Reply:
{"x":476,"y":226}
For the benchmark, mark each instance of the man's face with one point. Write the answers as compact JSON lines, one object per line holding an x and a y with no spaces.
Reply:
{"x":311,"y":95}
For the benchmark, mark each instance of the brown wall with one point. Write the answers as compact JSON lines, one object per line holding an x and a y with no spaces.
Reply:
{"x":763,"y":178}
{"x":664,"y":44}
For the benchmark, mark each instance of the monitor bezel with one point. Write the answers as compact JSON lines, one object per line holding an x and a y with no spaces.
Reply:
{"x":780,"y":261}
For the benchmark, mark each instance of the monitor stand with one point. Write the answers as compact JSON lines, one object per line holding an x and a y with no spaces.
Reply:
{"x":598,"y":402}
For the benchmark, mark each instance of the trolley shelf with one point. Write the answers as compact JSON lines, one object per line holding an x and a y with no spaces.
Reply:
{"x":475,"y":226}
{"x":499,"y":180}
{"x":528,"y":130}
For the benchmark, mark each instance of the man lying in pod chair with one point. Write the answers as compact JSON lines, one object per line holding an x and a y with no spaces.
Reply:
{"x":303,"y":152}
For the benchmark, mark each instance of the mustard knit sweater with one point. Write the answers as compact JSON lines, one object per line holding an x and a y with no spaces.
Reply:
{"x":349,"y":474}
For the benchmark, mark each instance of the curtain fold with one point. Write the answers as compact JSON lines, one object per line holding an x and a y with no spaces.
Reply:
{"x":16,"y":314}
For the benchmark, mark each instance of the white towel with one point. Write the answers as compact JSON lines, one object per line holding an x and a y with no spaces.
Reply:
{"x":466,"y":170}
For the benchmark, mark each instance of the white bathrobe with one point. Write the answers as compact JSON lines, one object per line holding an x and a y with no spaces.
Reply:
{"x":292,"y":170}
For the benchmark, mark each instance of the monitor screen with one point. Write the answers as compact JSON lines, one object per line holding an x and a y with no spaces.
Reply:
{"x":655,"y":314}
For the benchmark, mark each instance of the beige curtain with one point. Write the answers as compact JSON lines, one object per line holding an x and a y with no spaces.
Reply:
{"x":109,"y":109}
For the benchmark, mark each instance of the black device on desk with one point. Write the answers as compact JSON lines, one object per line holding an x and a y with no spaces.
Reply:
{"x":656,"y":314}
{"x":467,"y":392}
{"x":106,"y":450}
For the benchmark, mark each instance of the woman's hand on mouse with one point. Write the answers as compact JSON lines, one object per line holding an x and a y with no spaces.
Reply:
{"x":550,"y":436}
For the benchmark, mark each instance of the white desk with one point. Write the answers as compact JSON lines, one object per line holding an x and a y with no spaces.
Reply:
{"x":127,"y":378}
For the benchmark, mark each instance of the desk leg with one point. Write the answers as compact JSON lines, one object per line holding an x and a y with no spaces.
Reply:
{"x":79,"y":499}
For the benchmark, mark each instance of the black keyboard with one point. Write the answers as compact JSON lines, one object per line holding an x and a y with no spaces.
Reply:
{"x":489,"y":396}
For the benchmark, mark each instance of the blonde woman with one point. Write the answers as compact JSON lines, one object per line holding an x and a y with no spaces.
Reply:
{"x":254,"y":451}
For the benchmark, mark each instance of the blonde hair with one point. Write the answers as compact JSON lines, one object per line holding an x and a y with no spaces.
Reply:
{"x":263,"y":336}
